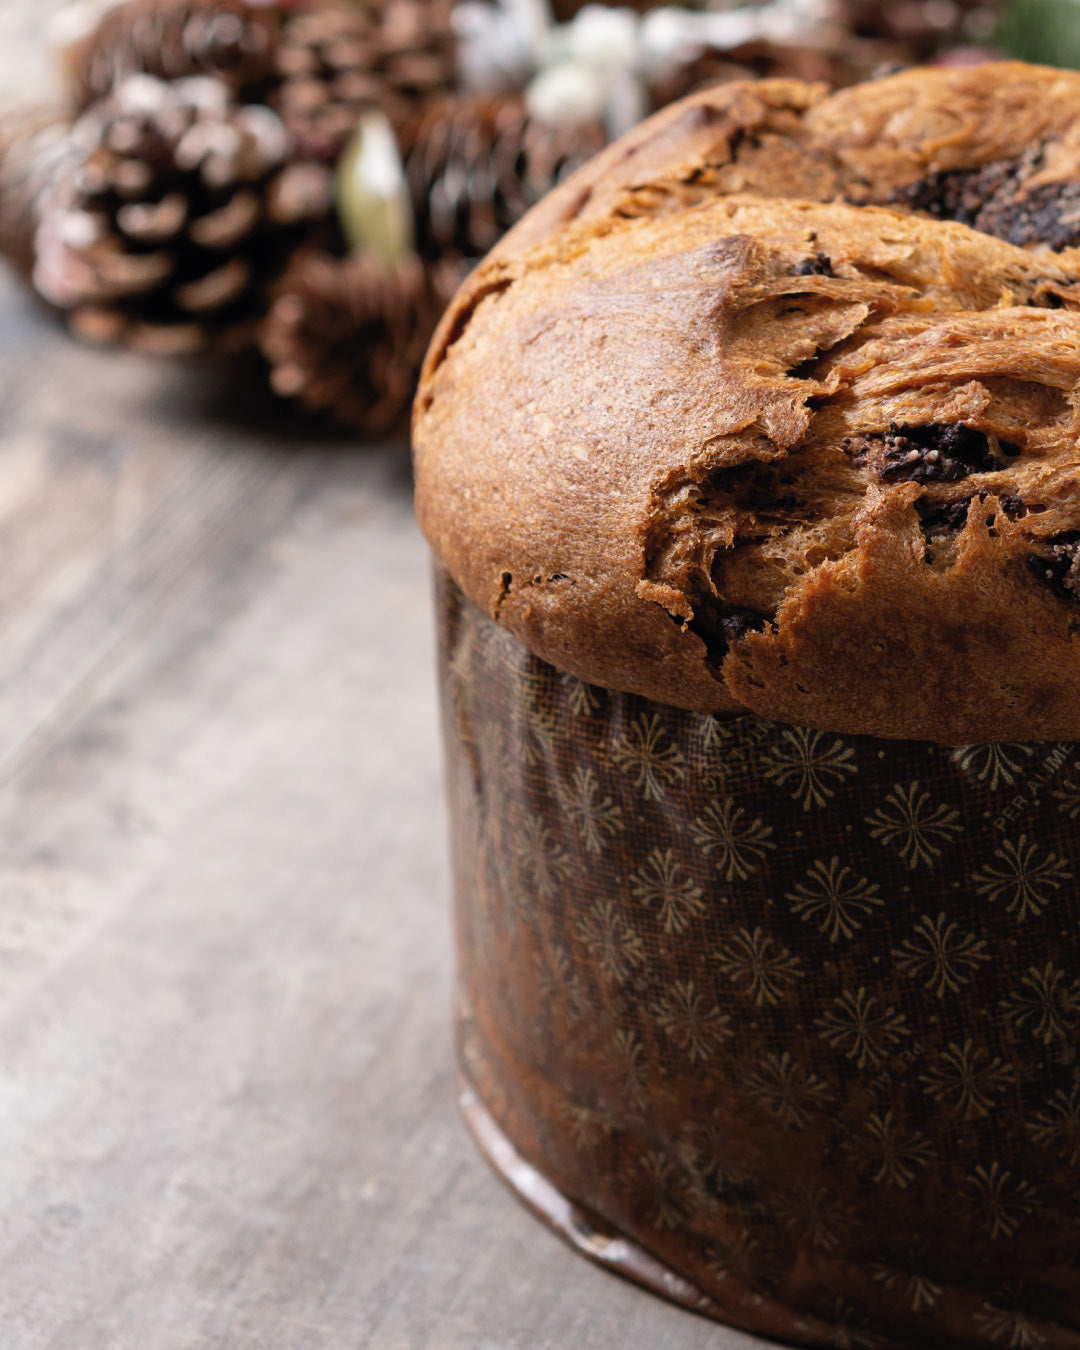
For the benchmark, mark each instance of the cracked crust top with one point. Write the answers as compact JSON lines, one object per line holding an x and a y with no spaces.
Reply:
{"x":774,"y":406}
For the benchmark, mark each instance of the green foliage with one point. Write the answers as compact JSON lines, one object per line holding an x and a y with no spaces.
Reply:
{"x":1045,"y":31}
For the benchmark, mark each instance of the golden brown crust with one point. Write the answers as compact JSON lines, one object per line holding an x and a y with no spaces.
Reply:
{"x":710,"y":428}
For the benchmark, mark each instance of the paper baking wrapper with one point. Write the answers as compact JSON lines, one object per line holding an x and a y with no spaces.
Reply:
{"x":779,"y":1022}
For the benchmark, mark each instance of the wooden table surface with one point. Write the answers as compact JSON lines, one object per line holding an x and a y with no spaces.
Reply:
{"x":227,"y":1112}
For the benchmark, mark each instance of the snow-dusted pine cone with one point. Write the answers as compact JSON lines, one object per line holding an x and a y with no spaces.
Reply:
{"x":475,"y":164}
{"x":34,"y":148}
{"x":180,"y":211}
{"x":339,"y":58}
{"x":346,"y":336}
{"x":172,"y":39}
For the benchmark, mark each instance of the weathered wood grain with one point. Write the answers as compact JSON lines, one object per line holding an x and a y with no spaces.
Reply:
{"x":226,"y":1086}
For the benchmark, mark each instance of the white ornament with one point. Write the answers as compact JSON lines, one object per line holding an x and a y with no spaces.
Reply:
{"x":627,"y":105}
{"x":567,"y":92}
{"x":601,"y":63}
{"x":671,"y":34}
{"x":598,"y":35}
{"x":499,"y":46}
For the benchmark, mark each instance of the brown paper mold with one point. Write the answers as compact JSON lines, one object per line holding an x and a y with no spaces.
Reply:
{"x":778,"y":1022}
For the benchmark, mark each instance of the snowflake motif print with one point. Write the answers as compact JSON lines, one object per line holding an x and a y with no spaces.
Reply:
{"x":891,"y":1155}
{"x":786,"y":1090}
{"x":736,"y":1259}
{"x":537,"y":737}
{"x":941,"y":955}
{"x":1013,"y":1327}
{"x":596,"y":817}
{"x":496,"y":646}
{"x":966,"y":1079}
{"x":738,"y":845}
{"x":860,"y":1028}
{"x":544,"y":862}
{"x":1068,"y":794}
{"x":1045,"y":1003}
{"x":1002,"y":1200}
{"x":995,"y":763}
{"x":834,"y":897}
{"x":1057,"y":1125}
{"x":758,"y":967}
{"x":559,"y":984}
{"x":1026,"y":881}
{"x":814,"y":1215}
{"x":615,"y":946}
{"x":850,"y":1325}
{"x":587,"y":1126}
{"x":645,"y":752}
{"x":704,"y":1149}
{"x":809,"y":765}
{"x":719,"y":746}
{"x":659,"y":882}
{"x":689,"y":1023}
{"x":496,"y":752}
{"x":661,"y":1191}
{"x":917,"y":1289}
{"x":908,"y":822}
{"x":631,"y":1054}
{"x":582,"y":699}
{"x":715,"y":732}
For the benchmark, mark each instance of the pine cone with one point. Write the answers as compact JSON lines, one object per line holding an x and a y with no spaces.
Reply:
{"x":475,"y":164}
{"x":337,"y":60}
{"x":178,"y":213}
{"x":920,"y":27}
{"x":347,"y":336}
{"x":172,"y":39}
{"x":34,"y":148}
{"x":753,"y":60}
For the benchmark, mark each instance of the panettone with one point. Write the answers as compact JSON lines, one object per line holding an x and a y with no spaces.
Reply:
{"x":749,"y":461}
{"x":712,"y":427}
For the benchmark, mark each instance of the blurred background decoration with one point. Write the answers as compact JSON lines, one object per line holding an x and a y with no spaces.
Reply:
{"x":313,"y":178}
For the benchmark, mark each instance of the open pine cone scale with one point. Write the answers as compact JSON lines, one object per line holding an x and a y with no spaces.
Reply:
{"x":230,"y":40}
{"x":182,"y":211}
{"x":339,"y":59}
{"x":346,"y":337}
{"x":474,"y":164}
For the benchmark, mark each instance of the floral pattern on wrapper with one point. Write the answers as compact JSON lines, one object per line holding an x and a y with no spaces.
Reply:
{"x":795,"y":1013}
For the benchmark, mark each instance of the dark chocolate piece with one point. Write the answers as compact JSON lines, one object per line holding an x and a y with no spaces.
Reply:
{"x":934,"y":453}
{"x":993,"y":199}
{"x":820,"y":265}
{"x":1060,"y":567}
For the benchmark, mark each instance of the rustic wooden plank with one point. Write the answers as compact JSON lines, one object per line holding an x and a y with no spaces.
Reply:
{"x":226,"y":1080}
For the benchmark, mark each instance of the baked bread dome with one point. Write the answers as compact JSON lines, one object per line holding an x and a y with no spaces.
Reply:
{"x":773,"y":408}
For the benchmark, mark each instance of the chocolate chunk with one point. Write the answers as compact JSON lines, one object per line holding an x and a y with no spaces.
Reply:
{"x":1060,"y":567}
{"x":1049,"y":214}
{"x":962,"y":194}
{"x":993,"y":199}
{"x":820,"y":265}
{"x":937,"y":519}
{"x":721,"y":625}
{"x":934,"y":453}
{"x":736,"y":622}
